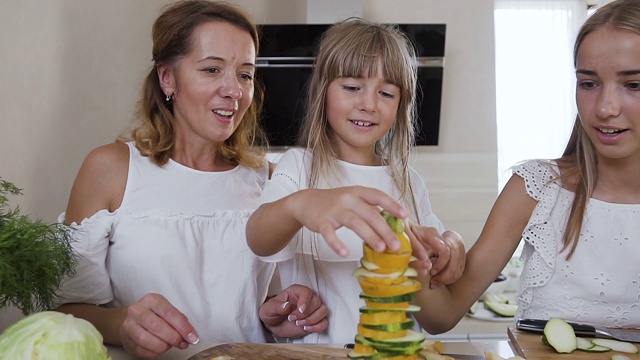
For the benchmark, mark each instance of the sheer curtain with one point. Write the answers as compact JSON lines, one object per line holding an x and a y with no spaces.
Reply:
{"x":534,"y":78}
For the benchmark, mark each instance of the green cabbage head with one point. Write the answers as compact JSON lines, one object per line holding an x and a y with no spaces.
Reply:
{"x":51,"y":335}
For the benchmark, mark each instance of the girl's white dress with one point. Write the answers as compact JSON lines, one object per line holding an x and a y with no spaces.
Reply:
{"x":310,"y":261}
{"x":600,"y":284}
{"x":180,"y":233}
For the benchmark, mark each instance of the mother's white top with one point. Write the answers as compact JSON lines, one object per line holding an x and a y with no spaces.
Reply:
{"x":180,"y":233}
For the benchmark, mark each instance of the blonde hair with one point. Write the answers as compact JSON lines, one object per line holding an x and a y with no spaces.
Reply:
{"x":356,"y":48}
{"x":153,"y":130}
{"x":579,"y":161}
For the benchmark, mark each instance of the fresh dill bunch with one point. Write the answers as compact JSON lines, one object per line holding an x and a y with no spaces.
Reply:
{"x":34,"y":257}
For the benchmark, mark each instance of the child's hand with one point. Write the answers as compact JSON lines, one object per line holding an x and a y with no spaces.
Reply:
{"x":356,"y":207}
{"x":442,"y":256}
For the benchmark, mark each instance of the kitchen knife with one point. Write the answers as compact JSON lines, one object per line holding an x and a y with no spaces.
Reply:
{"x":582,"y":330}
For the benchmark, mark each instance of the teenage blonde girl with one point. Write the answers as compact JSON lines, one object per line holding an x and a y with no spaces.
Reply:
{"x":324,"y":198}
{"x":579,"y":216}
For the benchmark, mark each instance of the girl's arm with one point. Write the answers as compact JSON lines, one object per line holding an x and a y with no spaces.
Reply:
{"x":442,"y":308}
{"x":445,"y":258}
{"x":272,"y":226}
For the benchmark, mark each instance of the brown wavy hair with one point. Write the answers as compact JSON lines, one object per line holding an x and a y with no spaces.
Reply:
{"x":579,"y":161}
{"x":356,"y":48}
{"x":153,"y":130}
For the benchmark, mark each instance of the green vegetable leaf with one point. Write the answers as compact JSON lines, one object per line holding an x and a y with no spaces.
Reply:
{"x":34,"y":257}
{"x":396,"y":224}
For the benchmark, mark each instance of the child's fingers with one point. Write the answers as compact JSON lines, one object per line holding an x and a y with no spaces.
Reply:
{"x":330,"y":237}
{"x":417,"y":246}
{"x":378,"y":198}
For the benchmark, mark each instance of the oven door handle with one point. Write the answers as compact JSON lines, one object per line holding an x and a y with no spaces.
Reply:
{"x":263,"y":65}
{"x":431,"y":62}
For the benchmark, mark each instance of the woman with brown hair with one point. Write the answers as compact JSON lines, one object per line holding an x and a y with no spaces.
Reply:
{"x":160,"y":215}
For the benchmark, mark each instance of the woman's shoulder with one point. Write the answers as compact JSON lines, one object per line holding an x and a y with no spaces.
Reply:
{"x":100,"y":182}
{"x":112,"y":156}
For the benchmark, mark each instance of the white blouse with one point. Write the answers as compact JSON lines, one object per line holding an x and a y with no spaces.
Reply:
{"x":180,"y":233}
{"x":310,"y":261}
{"x":600,"y":284}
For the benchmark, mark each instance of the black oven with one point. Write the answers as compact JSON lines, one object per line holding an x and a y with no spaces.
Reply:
{"x":284,"y":67}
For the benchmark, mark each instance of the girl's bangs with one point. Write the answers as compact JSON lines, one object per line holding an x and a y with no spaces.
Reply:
{"x":363,"y":58}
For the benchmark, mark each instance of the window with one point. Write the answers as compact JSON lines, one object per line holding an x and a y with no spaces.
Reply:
{"x":535,"y":81}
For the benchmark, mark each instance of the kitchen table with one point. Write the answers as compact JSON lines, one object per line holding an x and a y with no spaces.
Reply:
{"x":472,"y":350}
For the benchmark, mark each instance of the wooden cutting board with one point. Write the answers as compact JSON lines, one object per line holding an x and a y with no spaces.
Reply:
{"x":243,"y":351}
{"x":529,"y":345}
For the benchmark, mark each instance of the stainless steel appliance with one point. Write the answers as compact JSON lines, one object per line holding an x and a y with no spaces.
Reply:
{"x":285,"y":63}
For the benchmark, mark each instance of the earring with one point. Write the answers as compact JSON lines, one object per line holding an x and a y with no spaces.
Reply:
{"x":168,"y":98}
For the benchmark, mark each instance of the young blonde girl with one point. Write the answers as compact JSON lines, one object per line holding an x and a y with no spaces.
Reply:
{"x":354,"y":159}
{"x":579,"y":216}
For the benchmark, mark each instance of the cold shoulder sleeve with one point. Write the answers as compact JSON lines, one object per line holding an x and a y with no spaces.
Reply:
{"x":540,"y":250}
{"x":90,"y":283}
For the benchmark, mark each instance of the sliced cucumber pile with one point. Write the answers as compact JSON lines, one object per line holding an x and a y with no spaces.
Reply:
{"x":502,"y":309}
{"x":562,"y":338}
{"x":498,"y":304}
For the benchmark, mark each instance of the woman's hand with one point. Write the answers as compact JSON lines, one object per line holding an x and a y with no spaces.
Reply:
{"x":152,"y":326}
{"x":295,"y":312}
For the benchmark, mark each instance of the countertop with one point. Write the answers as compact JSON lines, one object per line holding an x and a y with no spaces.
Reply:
{"x":473,"y":350}
{"x":470,"y":337}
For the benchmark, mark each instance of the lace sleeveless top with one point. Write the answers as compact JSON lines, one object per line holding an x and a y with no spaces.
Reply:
{"x":600,"y":284}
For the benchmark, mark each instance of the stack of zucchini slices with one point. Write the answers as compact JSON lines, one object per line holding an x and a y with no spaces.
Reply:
{"x":384,"y":330}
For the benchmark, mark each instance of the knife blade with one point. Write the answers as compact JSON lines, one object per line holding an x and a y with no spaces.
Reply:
{"x":583,"y":330}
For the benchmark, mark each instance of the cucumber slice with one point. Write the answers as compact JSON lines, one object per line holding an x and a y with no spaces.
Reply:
{"x":412,"y":338}
{"x":396,"y":224}
{"x":474,"y":308}
{"x":617,"y":345}
{"x":496,"y":298}
{"x":596,"y":349}
{"x":584,"y":343}
{"x":410,"y":309}
{"x":388,"y":299}
{"x":368,"y":265}
{"x":499,"y":298}
{"x":354,"y":355}
{"x":620,"y":357}
{"x":361,"y":271}
{"x":407,"y":324}
{"x":502,"y":309}
{"x":560,"y":336}
{"x":401,"y":348}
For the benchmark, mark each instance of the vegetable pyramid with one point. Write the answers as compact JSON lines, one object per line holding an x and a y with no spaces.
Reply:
{"x":387,"y":288}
